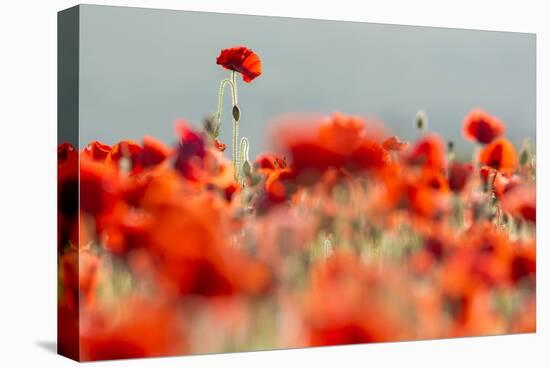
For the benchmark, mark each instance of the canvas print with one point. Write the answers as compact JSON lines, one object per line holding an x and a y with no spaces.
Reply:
{"x":232,"y":183}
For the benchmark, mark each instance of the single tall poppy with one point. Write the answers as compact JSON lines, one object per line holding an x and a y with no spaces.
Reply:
{"x":241,"y":59}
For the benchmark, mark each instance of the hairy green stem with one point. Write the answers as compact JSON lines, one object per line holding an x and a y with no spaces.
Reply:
{"x":220,"y":101}
{"x":236,"y":163}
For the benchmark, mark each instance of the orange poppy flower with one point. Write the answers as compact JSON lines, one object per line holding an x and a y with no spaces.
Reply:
{"x":428,"y":193}
{"x":341,"y":133}
{"x":241,"y":59}
{"x":429,"y":151}
{"x":500,"y":155}
{"x":481,"y":127}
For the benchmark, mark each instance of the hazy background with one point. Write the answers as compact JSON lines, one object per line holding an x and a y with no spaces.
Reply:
{"x":141,"y":69}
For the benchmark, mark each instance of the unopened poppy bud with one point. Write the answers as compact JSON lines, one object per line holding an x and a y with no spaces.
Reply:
{"x":524,"y":157}
{"x":451,"y":146}
{"x":421,"y":120}
{"x":210,"y":125}
{"x":236,"y":113}
{"x":247,"y":168}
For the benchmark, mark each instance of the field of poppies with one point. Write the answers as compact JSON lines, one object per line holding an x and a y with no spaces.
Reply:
{"x":342,"y":234}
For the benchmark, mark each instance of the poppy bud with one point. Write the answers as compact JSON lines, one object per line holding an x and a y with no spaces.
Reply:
{"x":246,"y":168}
{"x":210,"y":125}
{"x":451,"y":146}
{"x":236,"y":113}
{"x":524,"y":157}
{"x":421,"y":120}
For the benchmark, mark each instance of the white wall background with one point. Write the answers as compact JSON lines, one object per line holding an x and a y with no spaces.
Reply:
{"x":27,"y":181}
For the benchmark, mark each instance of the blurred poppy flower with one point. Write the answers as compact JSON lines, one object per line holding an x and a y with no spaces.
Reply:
{"x":481,"y":127}
{"x":190,"y":151}
{"x":521,"y":202}
{"x":241,"y":59}
{"x":458,"y":175}
{"x":99,"y":187}
{"x":268,"y":161}
{"x":369,"y":156}
{"x":393,"y":143}
{"x":79,"y":276}
{"x":279,"y":185}
{"x":341,"y":133}
{"x":338,"y":141}
{"x":136,"y":328}
{"x":126,"y":149}
{"x":152,"y":153}
{"x":429,"y":151}
{"x":344,"y":305}
{"x":428,"y":193}
{"x":524,"y":263}
{"x":500,"y":155}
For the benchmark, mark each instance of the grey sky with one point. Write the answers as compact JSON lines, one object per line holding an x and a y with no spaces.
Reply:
{"x":141,"y":69}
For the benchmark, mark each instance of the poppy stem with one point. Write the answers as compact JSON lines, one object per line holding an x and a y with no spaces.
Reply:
{"x":220,"y":103}
{"x":236,"y":161}
{"x":232,"y":81}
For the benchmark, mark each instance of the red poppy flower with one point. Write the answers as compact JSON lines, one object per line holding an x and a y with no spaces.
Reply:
{"x":243,"y":60}
{"x":99,"y":187}
{"x":458,"y":175}
{"x":429,"y":151}
{"x":97,"y":151}
{"x":482,"y":127}
{"x":521,"y":201}
{"x":127,"y":149}
{"x":153,"y":152}
{"x":279,"y":184}
{"x":190,"y":152}
{"x":500,"y":155}
{"x":335,"y":142}
{"x":369,"y":155}
{"x":137,"y":328}
{"x":268,"y":161}
{"x":345,"y":306}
